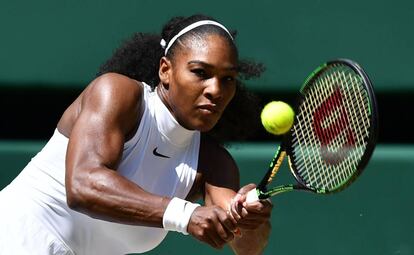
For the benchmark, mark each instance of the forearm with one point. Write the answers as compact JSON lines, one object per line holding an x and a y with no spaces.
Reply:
{"x":251,"y":242}
{"x":106,"y":195}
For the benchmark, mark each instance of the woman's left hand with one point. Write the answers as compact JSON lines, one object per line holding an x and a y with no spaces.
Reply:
{"x":249,"y":215}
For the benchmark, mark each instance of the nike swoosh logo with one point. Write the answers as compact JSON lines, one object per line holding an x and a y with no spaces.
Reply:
{"x":158,"y":154}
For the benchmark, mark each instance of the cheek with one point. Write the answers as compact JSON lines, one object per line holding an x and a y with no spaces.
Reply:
{"x":185,"y":96}
{"x":183,"y":101}
{"x":230,"y":94}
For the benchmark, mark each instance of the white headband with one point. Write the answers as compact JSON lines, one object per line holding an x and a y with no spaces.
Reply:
{"x":190,"y":27}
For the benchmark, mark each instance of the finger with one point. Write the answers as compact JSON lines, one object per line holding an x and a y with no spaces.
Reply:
{"x":235,"y":207}
{"x":212,"y":242}
{"x":243,"y":190}
{"x":218,"y":236}
{"x":237,"y":232}
{"x":252,"y":222}
{"x":249,"y":225}
{"x":244,"y":213}
{"x":225,"y":230}
{"x":230,"y":222}
{"x":254,"y":217}
{"x":239,"y":213}
{"x":206,"y":237}
{"x":262,"y":206}
{"x":223,"y":225}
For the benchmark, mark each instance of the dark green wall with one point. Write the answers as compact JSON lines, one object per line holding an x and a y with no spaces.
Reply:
{"x":49,"y":50}
{"x":373,"y":216}
{"x":60,"y":44}
{"x":63,"y":42}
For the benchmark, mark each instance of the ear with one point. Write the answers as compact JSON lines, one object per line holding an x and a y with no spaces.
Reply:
{"x":164,"y":71}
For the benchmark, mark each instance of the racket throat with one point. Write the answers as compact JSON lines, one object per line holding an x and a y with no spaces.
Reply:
{"x":276,"y":191}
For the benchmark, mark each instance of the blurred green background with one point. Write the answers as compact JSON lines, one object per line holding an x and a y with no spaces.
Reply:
{"x":50,"y":50}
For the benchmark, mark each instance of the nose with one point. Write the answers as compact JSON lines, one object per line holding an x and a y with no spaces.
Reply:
{"x":213,"y":90}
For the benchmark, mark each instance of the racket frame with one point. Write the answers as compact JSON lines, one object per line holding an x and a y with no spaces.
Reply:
{"x":285,"y":148}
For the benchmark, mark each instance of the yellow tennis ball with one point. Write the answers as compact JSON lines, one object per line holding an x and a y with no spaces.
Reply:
{"x":277,"y":117}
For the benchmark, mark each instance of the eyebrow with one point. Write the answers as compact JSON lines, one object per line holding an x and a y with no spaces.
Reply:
{"x":231,"y":68}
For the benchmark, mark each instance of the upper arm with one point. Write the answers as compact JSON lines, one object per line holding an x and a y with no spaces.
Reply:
{"x":221,"y":174}
{"x":109,"y":111}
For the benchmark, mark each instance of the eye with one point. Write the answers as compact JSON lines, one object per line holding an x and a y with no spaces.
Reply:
{"x":229,"y":79}
{"x":199,"y":72}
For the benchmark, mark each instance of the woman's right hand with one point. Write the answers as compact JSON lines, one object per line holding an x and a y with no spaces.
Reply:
{"x":212,"y":225}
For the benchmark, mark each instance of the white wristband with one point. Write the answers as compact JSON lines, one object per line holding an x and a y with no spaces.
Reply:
{"x":178,"y":214}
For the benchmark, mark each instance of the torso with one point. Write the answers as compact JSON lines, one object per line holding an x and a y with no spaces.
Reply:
{"x":208,"y":148}
{"x":213,"y":166}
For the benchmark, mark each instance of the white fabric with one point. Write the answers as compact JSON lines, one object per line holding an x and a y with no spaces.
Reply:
{"x":181,"y":207}
{"x":35,"y":218}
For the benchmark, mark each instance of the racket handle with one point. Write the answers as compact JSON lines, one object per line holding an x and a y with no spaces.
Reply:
{"x":252,"y":196}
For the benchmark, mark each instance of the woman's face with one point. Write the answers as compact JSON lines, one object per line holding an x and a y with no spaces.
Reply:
{"x":199,"y":82}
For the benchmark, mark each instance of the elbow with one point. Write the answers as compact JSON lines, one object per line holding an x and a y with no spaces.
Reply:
{"x":84,"y":191}
{"x":73,"y":197}
{"x":76,"y":194}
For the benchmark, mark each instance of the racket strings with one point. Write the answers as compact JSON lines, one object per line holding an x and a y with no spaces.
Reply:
{"x":345,"y":78}
{"x":326,"y":155}
{"x":347,"y":170}
{"x":354,"y":115}
{"x":360,"y":118}
{"x":337,"y":176}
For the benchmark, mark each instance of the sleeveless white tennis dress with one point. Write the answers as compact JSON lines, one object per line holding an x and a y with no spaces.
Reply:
{"x":161,"y":158}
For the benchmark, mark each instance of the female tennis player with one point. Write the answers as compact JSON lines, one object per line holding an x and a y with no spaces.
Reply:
{"x":133,"y":153}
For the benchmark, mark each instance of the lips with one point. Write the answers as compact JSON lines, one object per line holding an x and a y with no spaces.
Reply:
{"x":209,"y":108}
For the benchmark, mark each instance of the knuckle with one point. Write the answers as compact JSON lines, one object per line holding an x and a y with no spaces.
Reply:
{"x":217,"y":209}
{"x":220,"y":244}
{"x":206,"y":226}
{"x":230,"y":237}
{"x":209,"y":218}
{"x":200,"y":233}
{"x":226,"y":220}
{"x":269,"y":203}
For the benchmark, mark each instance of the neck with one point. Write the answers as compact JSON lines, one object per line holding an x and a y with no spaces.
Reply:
{"x":169,"y":125}
{"x":163,"y":95}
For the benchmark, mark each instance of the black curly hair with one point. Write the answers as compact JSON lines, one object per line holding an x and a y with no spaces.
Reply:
{"x":139,"y":57}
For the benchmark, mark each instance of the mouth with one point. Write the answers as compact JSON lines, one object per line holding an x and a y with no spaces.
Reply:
{"x":208,"y":108}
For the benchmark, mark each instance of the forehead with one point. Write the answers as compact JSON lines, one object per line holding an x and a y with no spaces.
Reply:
{"x":213,"y":49}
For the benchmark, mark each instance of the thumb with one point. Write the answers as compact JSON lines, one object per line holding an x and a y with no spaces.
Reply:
{"x":245,"y":189}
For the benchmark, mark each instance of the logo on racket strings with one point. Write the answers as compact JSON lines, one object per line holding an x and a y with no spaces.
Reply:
{"x":331,"y":126}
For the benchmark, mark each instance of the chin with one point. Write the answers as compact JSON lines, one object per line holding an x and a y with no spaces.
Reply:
{"x":200,"y":123}
{"x":205,"y":126}
{"x":204,"y":130}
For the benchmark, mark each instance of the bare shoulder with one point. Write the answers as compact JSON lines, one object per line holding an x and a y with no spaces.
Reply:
{"x":111,"y":96}
{"x":114,"y":86}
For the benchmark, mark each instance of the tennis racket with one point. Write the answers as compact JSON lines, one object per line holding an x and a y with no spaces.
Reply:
{"x":333,"y":135}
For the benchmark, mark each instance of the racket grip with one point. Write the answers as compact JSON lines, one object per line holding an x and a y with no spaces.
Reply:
{"x":252,"y":196}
